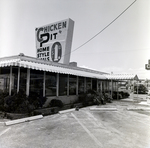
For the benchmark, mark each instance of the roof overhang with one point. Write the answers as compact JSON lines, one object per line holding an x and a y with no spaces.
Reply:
{"x":37,"y":64}
{"x":121,"y":77}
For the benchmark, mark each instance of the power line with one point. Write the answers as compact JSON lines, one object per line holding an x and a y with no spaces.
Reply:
{"x":103,"y":28}
{"x":114,"y":51}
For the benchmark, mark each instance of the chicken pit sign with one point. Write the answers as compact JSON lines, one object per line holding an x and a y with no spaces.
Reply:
{"x":53,"y":41}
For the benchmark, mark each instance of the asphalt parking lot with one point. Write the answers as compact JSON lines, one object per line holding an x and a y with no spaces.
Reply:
{"x":85,"y":128}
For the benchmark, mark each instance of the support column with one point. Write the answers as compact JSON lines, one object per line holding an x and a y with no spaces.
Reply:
{"x":97,"y":85}
{"x":77,"y":86}
{"x":57,"y":85}
{"x":133,"y":88}
{"x":108,"y":86}
{"x":137,"y":88}
{"x":84,"y":84}
{"x":101,"y":87}
{"x":91,"y":83}
{"x":68,"y":85}
{"x":118,"y":90}
{"x":44,"y":78}
{"x":28,"y":82}
{"x":111,"y":87}
{"x":10,"y":80}
{"x":18,"y":82}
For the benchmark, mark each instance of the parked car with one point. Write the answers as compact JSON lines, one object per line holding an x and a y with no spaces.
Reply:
{"x":122,"y":89}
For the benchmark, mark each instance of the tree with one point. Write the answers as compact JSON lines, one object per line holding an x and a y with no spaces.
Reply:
{"x":141,"y":89}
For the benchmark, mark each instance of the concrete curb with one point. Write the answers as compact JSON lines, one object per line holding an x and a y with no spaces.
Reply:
{"x":144,"y":103}
{"x":66,"y":111}
{"x":23,"y":120}
{"x":103,"y":109}
{"x":127,"y":100}
{"x":138,"y":109}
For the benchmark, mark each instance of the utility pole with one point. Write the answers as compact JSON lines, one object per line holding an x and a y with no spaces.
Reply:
{"x":111,"y":85}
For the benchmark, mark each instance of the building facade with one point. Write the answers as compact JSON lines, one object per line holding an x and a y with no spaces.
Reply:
{"x":53,"y":80}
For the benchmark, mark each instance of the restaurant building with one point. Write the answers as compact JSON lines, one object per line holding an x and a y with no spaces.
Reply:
{"x":53,"y":80}
{"x":51,"y":74}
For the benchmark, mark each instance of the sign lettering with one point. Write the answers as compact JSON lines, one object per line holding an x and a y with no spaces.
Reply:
{"x":53,"y":40}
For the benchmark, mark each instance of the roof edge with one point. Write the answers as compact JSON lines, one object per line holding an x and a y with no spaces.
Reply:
{"x":23,"y":57}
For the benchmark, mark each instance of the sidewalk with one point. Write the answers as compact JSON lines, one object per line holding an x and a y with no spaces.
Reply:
{"x":137,"y":98}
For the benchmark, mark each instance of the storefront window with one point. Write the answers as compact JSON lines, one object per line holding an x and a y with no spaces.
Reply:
{"x":110,"y":85}
{"x":23,"y":79}
{"x":99,"y":86}
{"x":50,"y":84}
{"x":4,"y":79}
{"x":88,"y":84}
{"x":36,"y":82}
{"x":72,"y":85}
{"x":81,"y":85}
{"x":63,"y":84}
{"x":94,"y":84}
{"x":104,"y":86}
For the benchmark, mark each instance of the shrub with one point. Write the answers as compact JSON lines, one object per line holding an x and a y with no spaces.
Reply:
{"x":56,"y":103}
{"x":85,"y":98}
{"x":108,"y":97}
{"x":92,"y":96}
{"x":114,"y":95}
{"x":141,"y":89}
{"x":20,"y":103}
{"x":2,"y":96}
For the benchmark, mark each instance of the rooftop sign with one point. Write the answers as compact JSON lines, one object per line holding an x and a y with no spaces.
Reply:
{"x":147,"y":66}
{"x":53,"y":41}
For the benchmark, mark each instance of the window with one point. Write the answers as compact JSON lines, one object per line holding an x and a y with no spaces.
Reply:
{"x":99,"y":86}
{"x":50,"y":84}
{"x":36,"y":82}
{"x":23,"y":79}
{"x":4,"y":79}
{"x":81,"y":85}
{"x":88,"y":84}
{"x":72,"y":85}
{"x":63,"y":84}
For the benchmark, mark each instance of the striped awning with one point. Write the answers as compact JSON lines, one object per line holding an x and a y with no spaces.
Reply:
{"x":50,"y":68}
{"x":121,"y":77}
{"x":37,"y":64}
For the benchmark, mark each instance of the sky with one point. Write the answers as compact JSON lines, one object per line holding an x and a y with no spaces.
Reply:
{"x":122,"y":48}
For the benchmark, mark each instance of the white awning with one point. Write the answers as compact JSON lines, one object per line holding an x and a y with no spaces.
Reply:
{"x":50,"y":68}
{"x":121,"y":77}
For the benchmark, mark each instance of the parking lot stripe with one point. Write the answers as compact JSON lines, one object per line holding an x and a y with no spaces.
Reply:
{"x":89,"y":133}
{"x":6,"y":130}
{"x":103,"y":109}
{"x":27,"y":119}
